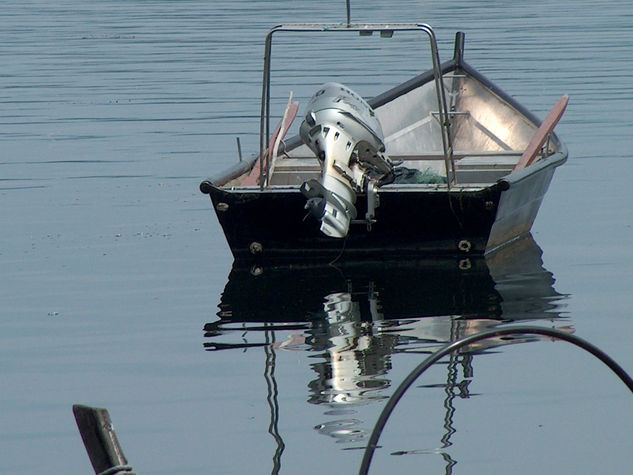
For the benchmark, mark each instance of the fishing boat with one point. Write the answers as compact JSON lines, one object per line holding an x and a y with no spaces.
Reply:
{"x":445,"y":163}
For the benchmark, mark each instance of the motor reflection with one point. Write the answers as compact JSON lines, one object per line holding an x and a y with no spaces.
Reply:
{"x":354,"y":317}
{"x":356,"y":359}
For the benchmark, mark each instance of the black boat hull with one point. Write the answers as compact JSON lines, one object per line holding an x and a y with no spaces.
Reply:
{"x":272,"y":224}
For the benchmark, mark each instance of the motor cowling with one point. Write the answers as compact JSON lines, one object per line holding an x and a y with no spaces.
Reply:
{"x":344,"y":133}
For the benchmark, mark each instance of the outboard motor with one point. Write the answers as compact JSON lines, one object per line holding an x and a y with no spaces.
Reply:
{"x":345,"y":134}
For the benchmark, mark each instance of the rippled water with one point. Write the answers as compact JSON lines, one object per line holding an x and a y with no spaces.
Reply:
{"x":117,"y":287}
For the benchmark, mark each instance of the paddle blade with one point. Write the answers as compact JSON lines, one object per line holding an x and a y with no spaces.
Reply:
{"x":546,"y":128}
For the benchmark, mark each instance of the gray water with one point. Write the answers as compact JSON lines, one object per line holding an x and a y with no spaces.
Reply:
{"x":117,"y":289}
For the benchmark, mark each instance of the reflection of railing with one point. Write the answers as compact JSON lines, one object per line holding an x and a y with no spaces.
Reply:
{"x":465,"y":342}
{"x":272,"y":399}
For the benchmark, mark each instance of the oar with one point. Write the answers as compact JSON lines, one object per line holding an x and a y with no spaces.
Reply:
{"x":254,"y":177}
{"x":102,"y":445}
{"x":546,"y":128}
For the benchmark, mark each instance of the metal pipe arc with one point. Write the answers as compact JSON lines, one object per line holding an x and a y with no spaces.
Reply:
{"x":456,"y":345}
{"x":264,"y":129}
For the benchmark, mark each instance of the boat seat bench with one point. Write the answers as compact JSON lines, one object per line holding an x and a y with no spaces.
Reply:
{"x":470,"y":167}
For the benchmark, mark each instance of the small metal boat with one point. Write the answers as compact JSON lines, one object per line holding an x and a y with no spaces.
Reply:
{"x":444,"y":164}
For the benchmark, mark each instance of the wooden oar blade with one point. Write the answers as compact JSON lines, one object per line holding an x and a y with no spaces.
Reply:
{"x":539,"y":138}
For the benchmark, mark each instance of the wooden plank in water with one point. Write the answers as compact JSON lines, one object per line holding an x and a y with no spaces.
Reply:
{"x":539,"y":138}
{"x":102,"y":445}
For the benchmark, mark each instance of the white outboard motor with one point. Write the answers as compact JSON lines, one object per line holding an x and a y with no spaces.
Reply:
{"x":345,"y":134}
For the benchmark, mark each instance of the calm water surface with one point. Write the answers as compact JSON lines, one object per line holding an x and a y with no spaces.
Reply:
{"x":118,"y":289}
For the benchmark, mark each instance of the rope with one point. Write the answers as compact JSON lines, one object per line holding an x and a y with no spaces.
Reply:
{"x":118,"y":469}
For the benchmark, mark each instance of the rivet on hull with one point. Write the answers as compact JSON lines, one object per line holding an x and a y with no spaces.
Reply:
{"x":464,"y":245}
{"x":256,"y":248}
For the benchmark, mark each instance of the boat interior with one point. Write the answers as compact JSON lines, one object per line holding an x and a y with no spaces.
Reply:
{"x":447,"y":128}
{"x":488,"y":137}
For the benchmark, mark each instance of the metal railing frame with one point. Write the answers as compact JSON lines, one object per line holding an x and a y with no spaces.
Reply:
{"x":364,"y":29}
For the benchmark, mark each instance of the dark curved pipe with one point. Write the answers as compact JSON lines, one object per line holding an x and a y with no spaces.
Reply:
{"x":456,"y":345}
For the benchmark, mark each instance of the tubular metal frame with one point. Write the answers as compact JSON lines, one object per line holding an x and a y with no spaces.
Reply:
{"x":385,"y":29}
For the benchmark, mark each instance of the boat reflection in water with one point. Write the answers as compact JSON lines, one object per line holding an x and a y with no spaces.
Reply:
{"x":355,"y":316}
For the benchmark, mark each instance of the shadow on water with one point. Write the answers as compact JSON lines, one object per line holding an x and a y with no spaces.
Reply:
{"x":354,"y":317}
